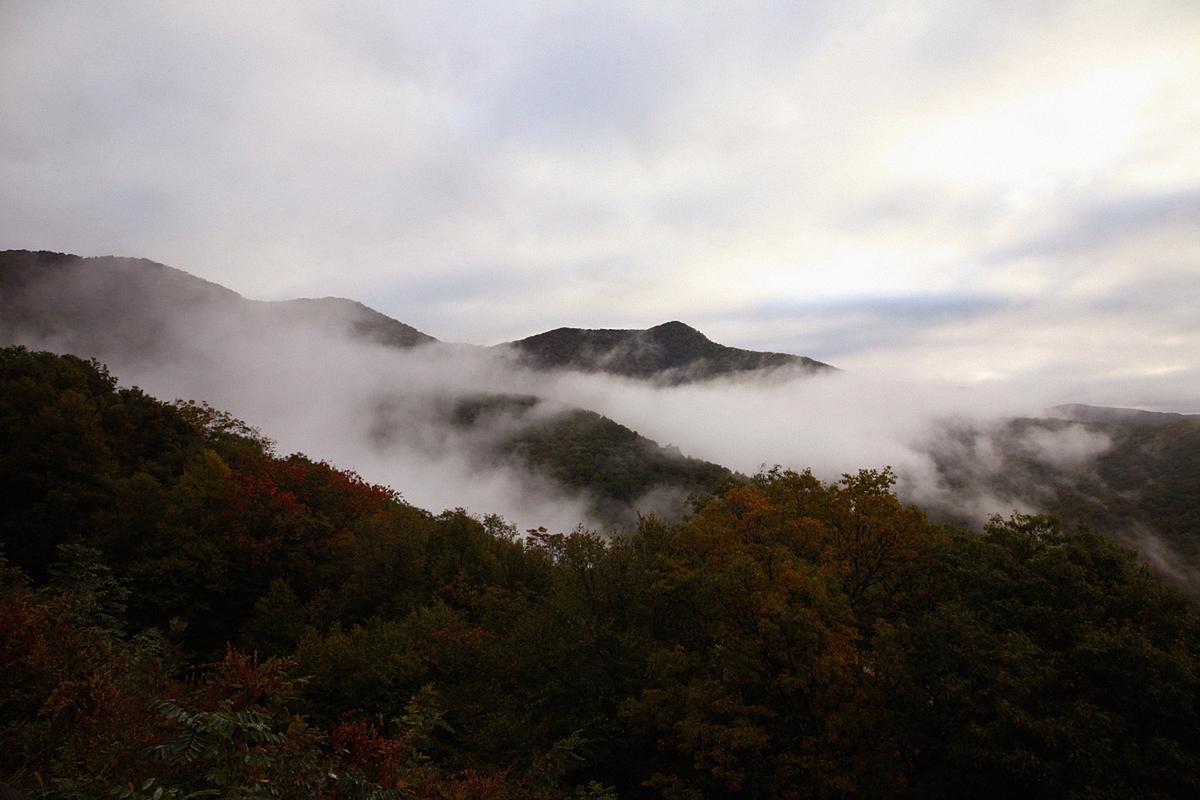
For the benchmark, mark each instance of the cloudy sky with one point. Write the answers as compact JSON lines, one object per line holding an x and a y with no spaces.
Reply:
{"x":999,"y":191}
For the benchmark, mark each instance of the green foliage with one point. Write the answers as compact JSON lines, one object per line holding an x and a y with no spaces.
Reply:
{"x":95,"y":596}
{"x":1062,"y":665}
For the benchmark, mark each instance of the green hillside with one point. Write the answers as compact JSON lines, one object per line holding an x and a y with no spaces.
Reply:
{"x":1142,"y":489}
{"x":585,"y":451}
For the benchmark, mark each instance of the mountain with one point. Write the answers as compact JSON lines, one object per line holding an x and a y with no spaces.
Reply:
{"x":101,"y":305}
{"x":140,"y":308}
{"x":1135,"y":480}
{"x":670,"y":353}
{"x":147,"y":310}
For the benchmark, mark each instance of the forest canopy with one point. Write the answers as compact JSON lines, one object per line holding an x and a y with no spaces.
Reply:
{"x":185,"y":612}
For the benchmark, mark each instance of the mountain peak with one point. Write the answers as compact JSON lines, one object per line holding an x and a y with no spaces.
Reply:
{"x":674,"y":325}
{"x":672,"y":352}
{"x":677,"y":331}
{"x":100,"y":306}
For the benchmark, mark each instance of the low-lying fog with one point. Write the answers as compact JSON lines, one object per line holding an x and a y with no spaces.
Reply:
{"x":313,"y":388}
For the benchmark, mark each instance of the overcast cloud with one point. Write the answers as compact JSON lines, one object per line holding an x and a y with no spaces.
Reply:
{"x":969,"y":192}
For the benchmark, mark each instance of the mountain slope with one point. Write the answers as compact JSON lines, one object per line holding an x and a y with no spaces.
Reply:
{"x":1136,"y":482}
{"x":672,"y":353}
{"x":103,"y":305}
{"x":146,"y":310}
{"x":360,"y":320}
{"x":624,"y":473}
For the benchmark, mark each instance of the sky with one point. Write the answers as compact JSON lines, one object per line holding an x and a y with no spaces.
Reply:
{"x":952,"y":191}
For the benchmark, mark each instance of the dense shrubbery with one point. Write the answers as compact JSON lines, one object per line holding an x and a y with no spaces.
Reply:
{"x":182,"y":610}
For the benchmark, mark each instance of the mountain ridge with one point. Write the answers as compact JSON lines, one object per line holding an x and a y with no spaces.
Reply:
{"x":105,"y":302}
{"x":1082,"y":412}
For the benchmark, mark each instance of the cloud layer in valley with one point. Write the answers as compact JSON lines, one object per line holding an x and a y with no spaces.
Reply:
{"x":976,"y":193}
{"x":300,"y":373}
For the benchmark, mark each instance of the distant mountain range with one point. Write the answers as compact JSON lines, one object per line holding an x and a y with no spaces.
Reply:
{"x":94,"y":305}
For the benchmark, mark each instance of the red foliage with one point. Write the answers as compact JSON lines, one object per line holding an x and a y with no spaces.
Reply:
{"x":384,"y":760}
{"x":272,"y":505}
{"x":242,"y":680}
{"x":466,"y":785}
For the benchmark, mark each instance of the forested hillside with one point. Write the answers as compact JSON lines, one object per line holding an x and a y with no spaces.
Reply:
{"x":1142,"y":487}
{"x":185,"y":613}
{"x":618,"y":468}
{"x":589,"y":452}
